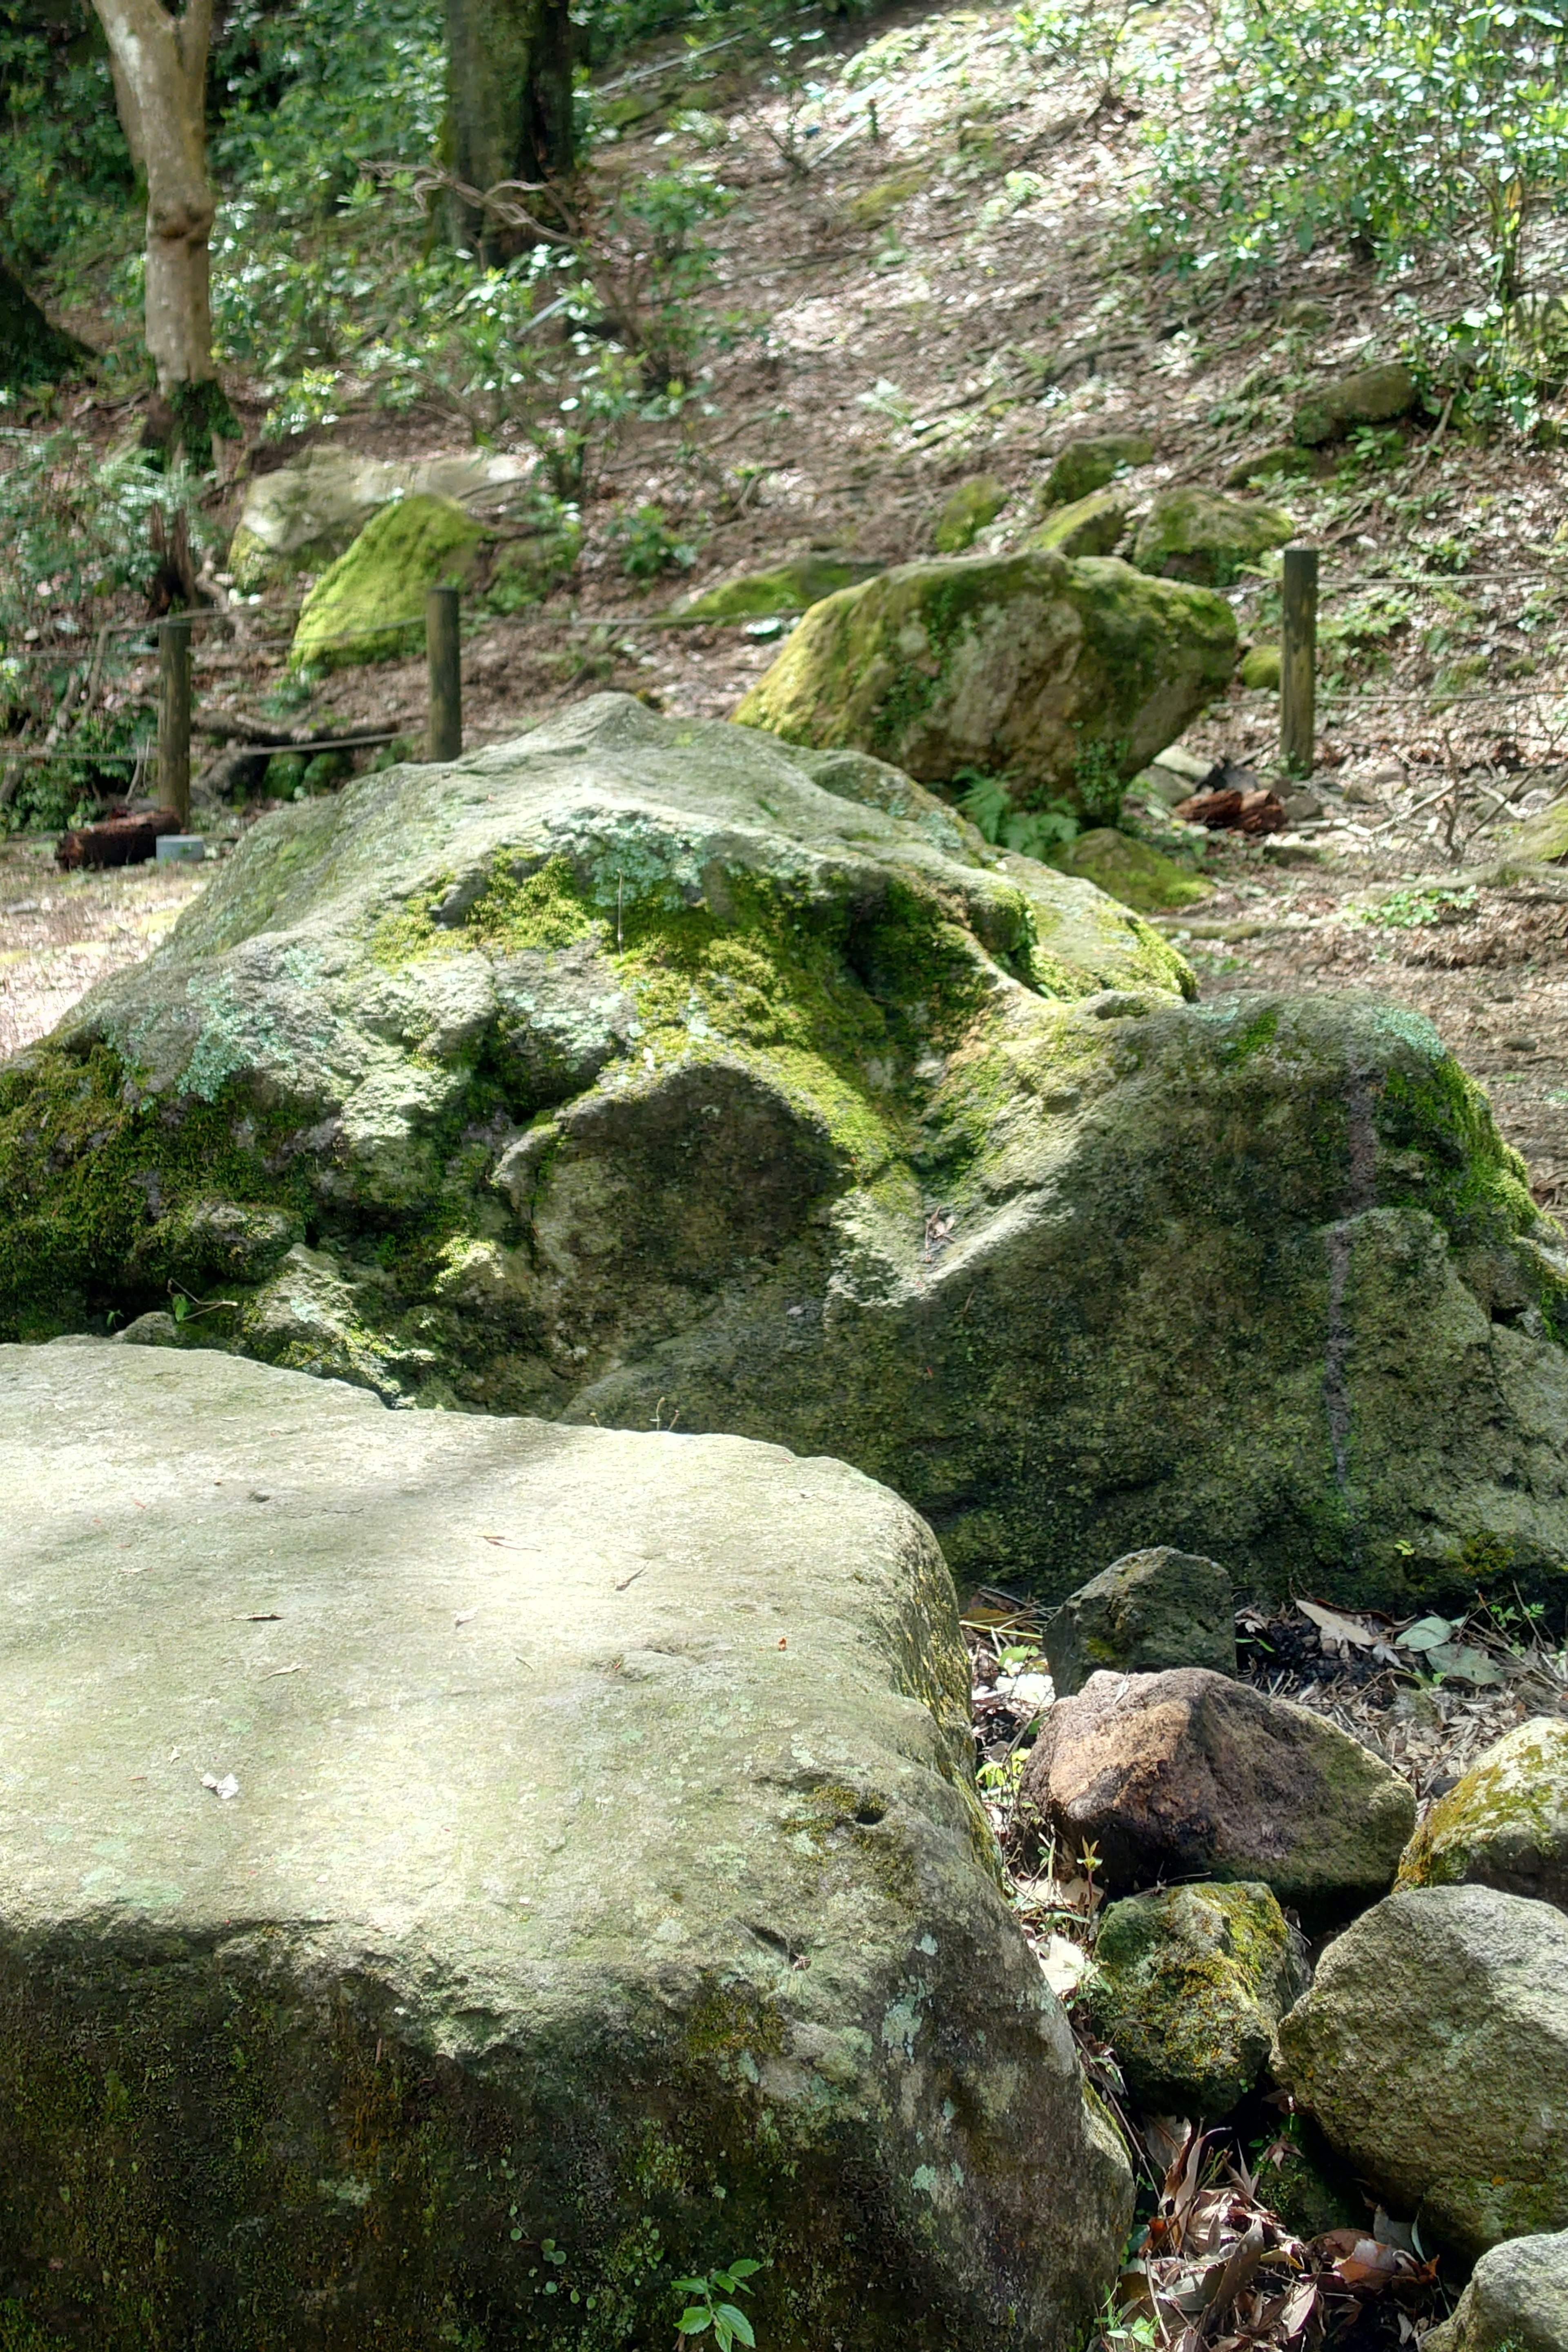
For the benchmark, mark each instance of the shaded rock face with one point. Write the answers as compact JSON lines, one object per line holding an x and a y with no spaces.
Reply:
{"x":1188,"y":1987}
{"x":1197,"y":535}
{"x":1057,"y":675}
{"x":1186,"y":1775}
{"x":1505,"y":1824}
{"x":535,"y":1838}
{"x":644,"y":1068}
{"x":1516,"y":2301}
{"x":1152,"y":1610}
{"x":1433,"y":2049}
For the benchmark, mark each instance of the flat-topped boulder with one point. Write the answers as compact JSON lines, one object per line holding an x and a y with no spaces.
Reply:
{"x":459,"y":1875}
{"x":647,"y":1070}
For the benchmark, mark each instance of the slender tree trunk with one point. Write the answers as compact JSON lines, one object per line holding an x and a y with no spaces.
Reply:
{"x":159,"y":66}
{"x":510,"y":88}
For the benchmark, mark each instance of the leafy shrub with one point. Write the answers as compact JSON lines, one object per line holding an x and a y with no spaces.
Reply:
{"x":1031,"y":833}
{"x":650,"y":544}
{"x":64,"y":169}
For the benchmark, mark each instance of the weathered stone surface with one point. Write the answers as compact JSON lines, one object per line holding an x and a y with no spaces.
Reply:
{"x":1152,"y":1610}
{"x":1130,"y":870}
{"x":1186,"y":1774}
{"x":787,"y":587}
{"x":1261,"y":669}
{"x":643,"y":1066}
{"x":1374,"y":395}
{"x":369,"y":603}
{"x":1091,"y":526}
{"x":1516,"y":2301}
{"x":598,"y":1870}
{"x":1198,"y":535}
{"x":1188,"y":1987}
{"x":965,"y":511}
{"x":1286,"y":462}
{"x":1089,"y":463}
{"x":299,"y":516}
{"x":1506,"y":1822}
{"x":1433,"y":2049}
{"x":1025,"y":666}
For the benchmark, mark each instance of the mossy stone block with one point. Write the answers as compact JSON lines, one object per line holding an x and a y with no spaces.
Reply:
{"x":1090,"y":462}
{"x":1286,"y":462}
{"x":1130,"y":870}
{"x":1152,"y":1609}
{"x":1261,"y":670}
{"x":1199,"y":535}
{"x":370,"y":604}
{"x":788,"y":587}
{"x":1505,"y":1822}
{"x":1189,"y":1985}
{"x":1374,"y":395}
{"x":965,"y":512}
{"x":1091,"y":526}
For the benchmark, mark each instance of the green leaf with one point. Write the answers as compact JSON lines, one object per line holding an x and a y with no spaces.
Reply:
{"x":745,"y":2268}
{"x":692,"y":2323}
{"x":727,"y":2315}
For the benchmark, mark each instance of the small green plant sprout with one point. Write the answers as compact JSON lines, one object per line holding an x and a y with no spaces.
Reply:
{"x":990,"y":806}
{"x":650,"y":545}
{"x":729,"y":2322}
{"x":187,"y":1306}
{"x":1419,"y":906}
{"x":1117,"y":2329}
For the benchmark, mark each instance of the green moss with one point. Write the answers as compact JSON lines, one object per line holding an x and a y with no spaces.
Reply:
{"x":786,"y":588}
{"x":541,"y":909}
{"x":965,"y":511}
{"x":1464,"y":1174}
{"x":370,"y":604}
{"x":1187,"y":1987}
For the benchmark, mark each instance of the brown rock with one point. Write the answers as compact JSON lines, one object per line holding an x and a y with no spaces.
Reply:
{"x":1187,"y":1775}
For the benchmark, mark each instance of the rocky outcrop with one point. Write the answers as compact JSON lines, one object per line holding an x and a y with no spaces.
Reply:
{"x":1188,"y":1775}
{"x":646,"y":1067}
{"x":1188,"y":1988}
{"x":1516,"y":2301}
{"x":1061,"y":676}
{"x":463,"y":1875}
{"x":1505,"y":1824}
{"x":1152,"y":1610}
{"x":1197,"y":535}
{"x":1433,"y":2049}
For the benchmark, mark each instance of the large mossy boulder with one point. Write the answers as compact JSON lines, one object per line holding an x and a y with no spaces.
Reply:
{"x":1433,"y":2049}
{"x":370,"y":604}
{"x":1057,"y":676}
{"x":300,"y":517}
{"x":1505,"y":1822}
{"x":1091,"y":526}
{"x":1199,"y":535}
{"x":965,"y":511}
{"x":461,"y":1875}
{"x":646,"y":1067}
{"x":1188,"y":1987}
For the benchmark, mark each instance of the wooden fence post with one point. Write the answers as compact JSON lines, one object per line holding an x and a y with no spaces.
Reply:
{"x":443,"y":650}
{"x":174,"y":719}
{"x":1299,"y":662}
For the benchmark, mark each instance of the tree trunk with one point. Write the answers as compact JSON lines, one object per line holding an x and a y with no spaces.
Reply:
{"x":510,"y":88}
{"x":31,"y":351}
{"x":160,"y":85}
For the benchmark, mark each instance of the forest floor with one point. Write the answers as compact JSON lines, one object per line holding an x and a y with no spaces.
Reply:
{"x":931,"y":272}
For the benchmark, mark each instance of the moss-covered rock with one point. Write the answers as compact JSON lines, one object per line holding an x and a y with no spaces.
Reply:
{"x":1091,"y":526}
{"x":1130,"y":870}
{"x":1261,"y":669}
{"x":1541,"y":840}
{"x":1285,"y":463}
{"x":1505,"y":1824}
{"x":1199,"y":535}
{"x":1374,"y":395}
{"x":1052,"y":674}
{"x":1189,"y":1985}
{"x":965,"y":511}
{"x":645,"y":1066}
{"x":1089,"y":463}
{"x":300,"y":517}
{"x":511,"y":1868}
{"x":1153,"y":1610}
{"x":370,"y":604}
{"x":1433,"y":2049}
{"x":784,"y":588}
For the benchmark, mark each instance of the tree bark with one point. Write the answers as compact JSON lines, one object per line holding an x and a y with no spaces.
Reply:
{"x":510,"y":89}
{"x":159,"y":66}
{"x":31,"y":349}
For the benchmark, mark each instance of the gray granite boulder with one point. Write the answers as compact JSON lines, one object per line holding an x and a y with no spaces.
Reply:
{"x":1517,"y":2301}
{"x":1433,"y":2049}
{"x":459,"y":1875}
{"x":1505,"y":1821}
{"x":1148,"y":1612}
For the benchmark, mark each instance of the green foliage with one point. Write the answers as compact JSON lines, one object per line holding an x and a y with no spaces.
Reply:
{"x":1031,"y":833}
{"x":1419,"y":906}
{"x":64,"y":171}
{"x":726,"y":2320}
{"x":650,"y":545}
{"x":1096,"y":776}
{"x":1404,"y":126}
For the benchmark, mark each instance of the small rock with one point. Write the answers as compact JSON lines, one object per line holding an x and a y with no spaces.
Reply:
{"x":1261,"y":670}
{"x":1187,"y":1775}
{"x":1374,"y":395}
{"x":1285,"y":463}
{"x":1505,"y":1824}
{"x":1189,"y":1986}
{"x":789,"y":587}
{"x":1433,"y":2049}
{"x":1129,"y":870}
{"x":1517,"y":2299}
{"x":965,"y":512}
{"x":1089,"y":464}
{"x":1091,"y":526}
{"x":155,"y":1330}
{"x":1199,"y":536}
{"x":1149,"y":1611}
